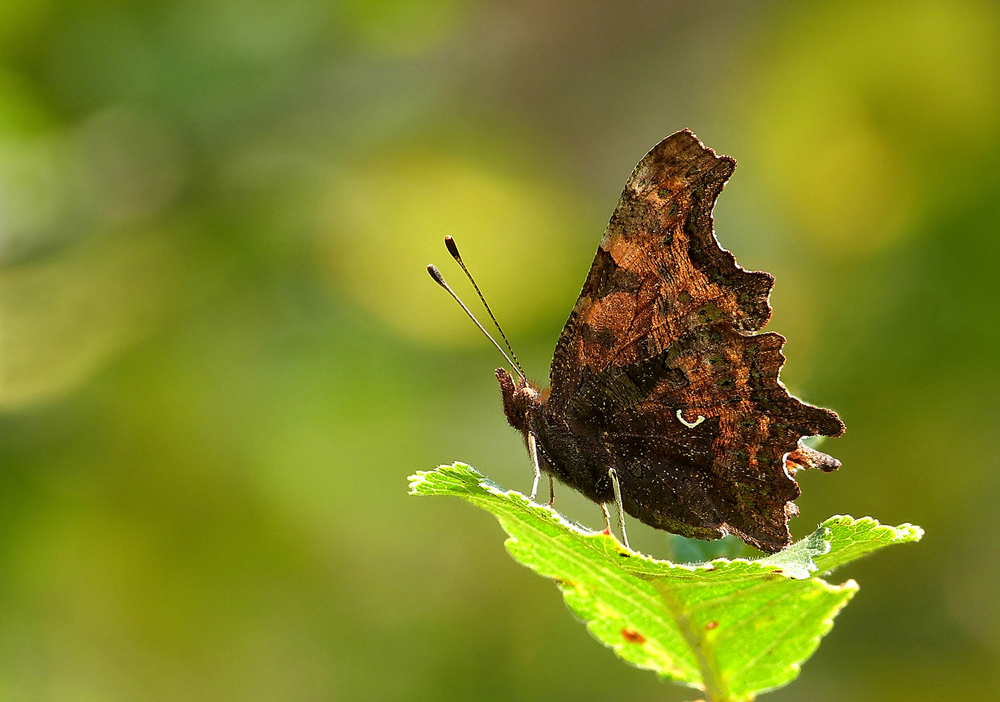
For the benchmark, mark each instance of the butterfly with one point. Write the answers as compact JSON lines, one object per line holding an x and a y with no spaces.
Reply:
{"x":662,"y":397}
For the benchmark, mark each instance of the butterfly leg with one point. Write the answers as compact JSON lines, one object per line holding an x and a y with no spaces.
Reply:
{"x":618,"y":502}
{"x":607,"y":517}
{"x":533,"y":449}
{"x":552,"y":491}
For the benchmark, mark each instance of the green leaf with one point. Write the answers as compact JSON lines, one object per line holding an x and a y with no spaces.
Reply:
{"x":733,"y":628}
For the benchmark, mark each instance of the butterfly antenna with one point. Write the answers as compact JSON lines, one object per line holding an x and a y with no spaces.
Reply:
{"x":439,"y":279}
{"x":453,"y":250}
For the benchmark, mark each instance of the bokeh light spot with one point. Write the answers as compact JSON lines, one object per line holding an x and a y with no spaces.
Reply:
{"x":62,"y":319}
{"x":860,"y":111}
{"x":521,"y":238}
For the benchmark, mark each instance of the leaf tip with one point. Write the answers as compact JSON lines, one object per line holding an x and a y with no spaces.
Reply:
{"x":416,"y":481}
{"x":874,"y":529}
{"x":910,"y":532}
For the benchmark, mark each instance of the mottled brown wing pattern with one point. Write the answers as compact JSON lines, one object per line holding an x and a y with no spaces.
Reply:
{"x":659,"y":360}
{"x":726,"y":473}
{"x":659,"y":271}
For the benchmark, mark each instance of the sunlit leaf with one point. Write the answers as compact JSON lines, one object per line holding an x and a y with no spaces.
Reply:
{"x":732,"y":628}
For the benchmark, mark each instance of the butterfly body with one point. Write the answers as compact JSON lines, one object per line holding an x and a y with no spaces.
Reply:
{"x":658,"y":372}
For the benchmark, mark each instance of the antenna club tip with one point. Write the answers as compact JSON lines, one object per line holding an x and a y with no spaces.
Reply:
{"x":452,"y":248}
{"x":435,"y":274}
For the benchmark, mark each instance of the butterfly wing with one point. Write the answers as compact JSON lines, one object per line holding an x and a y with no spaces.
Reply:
{"x":659,"y":270}
{"x":664,"y":325}
{"x":701,"y":434}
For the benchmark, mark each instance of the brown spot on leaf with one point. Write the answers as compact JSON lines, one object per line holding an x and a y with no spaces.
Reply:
{"x":633,"y":636}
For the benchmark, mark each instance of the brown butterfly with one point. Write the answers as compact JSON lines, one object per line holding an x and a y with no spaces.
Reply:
{"x":661,"y":397}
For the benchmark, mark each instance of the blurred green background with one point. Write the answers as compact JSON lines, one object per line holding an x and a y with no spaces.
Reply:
{"x":221,"y":356}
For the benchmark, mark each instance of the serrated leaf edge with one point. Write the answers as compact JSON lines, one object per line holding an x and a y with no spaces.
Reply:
{"x":422,"y":483}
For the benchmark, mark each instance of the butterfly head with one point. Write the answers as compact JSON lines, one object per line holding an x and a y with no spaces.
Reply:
{"x":520,"y":398}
